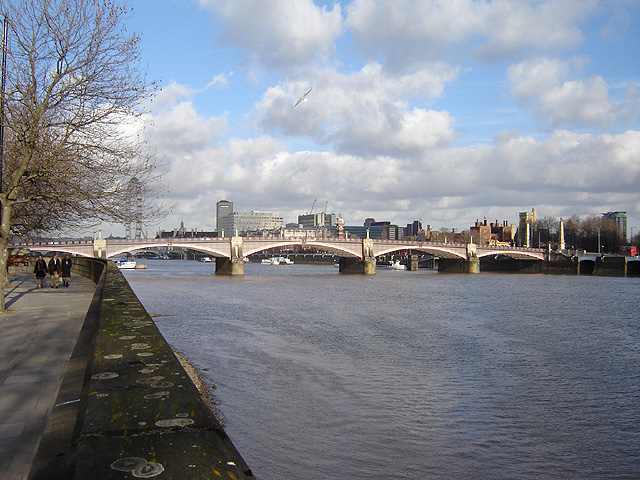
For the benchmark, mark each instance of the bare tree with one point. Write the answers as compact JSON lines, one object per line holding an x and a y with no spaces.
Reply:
{"x":72,"y":118}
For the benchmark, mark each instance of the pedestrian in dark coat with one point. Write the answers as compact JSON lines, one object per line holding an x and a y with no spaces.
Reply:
{"x":66,"y":270}
{"x":55,"y":269}
{"x":40,"y":270}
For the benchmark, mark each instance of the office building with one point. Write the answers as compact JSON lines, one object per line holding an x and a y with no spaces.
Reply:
{"x":413,"y":229}
{"x":389,"y":231}
{"x":245,"y":222}
{"x":224,"y":208}
{"x":620,"y":221}
{"x":317,"y":220}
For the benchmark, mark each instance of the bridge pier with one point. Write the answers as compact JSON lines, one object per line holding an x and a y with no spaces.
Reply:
{"x":449,"y":265}
{"x":412,"y":263}
{"x":469,"y":265}
{"x":228,"y":266}
{"x":472,"y":265}
{"x":366,"y":264}
{"x":233,"y":265}
{"x":611,"y":266}
{"x":100,"y":247}
{"x":357,"y":265}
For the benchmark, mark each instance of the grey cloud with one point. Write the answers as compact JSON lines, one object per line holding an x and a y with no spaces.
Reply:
{"x":410,"y":32}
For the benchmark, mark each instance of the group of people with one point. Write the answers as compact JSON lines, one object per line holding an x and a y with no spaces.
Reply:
{"x":57,"y":269}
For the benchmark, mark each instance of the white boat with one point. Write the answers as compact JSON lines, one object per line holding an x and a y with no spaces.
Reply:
{"x":395,"y":265}
{"x":205,"y":259}
{"x":277,"y":261}
{"x":126,"y":264}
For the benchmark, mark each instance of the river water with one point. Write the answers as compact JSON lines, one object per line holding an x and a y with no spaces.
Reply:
{"x":411,"y":375}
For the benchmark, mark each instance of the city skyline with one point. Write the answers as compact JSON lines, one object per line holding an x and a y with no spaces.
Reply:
{"x":418,"y":109}
{"x":225,"y":208}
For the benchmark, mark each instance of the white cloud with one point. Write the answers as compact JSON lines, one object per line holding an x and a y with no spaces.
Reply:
{"x":181,"y":129}
{"x":562,"y":101}
{"x":219,"y":81}
{"x":364,"y":112}
{"x":170,"y":95}
{"x":533,"y":77}
{"x":279,"y":33}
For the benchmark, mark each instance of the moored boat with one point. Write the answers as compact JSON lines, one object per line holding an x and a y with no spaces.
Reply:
{"x":394,"y":265}
{"x":277,"y":261}
{"x":127,"y":264}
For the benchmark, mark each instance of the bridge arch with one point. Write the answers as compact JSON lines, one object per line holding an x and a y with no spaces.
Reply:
{"x":58,"y":249}
{"x":443,"y":251}
{"x":195,"y":247}
{"x":517,"y":255}
{"x":339,"y":249}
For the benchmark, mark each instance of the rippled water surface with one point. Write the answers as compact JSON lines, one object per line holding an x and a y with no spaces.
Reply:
{"x":412,"y":375}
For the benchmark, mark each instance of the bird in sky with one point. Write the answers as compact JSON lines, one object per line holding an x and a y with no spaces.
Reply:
{"x":303,"y":98}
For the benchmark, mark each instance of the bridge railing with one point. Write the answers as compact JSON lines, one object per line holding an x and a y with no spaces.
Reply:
{"x":51,"y":244}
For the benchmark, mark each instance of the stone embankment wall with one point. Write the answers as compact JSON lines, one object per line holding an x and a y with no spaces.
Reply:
{"x":135,"y":411}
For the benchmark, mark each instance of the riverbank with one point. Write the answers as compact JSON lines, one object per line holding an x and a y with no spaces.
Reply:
{"x":200,"y":383}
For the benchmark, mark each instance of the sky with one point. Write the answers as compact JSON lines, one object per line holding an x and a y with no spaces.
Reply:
{"x":443,"y":111}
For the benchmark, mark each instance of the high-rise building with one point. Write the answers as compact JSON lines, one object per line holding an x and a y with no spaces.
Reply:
{"x":223,"y":209}
{"x":317,"y":220}
{"x":413,"y":228}
{"x":243,"y":222}
{"x":389,"y":231}
{"x":620,"y":221}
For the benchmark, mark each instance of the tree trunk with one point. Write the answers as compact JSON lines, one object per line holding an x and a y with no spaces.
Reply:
{"x":4,"y":241}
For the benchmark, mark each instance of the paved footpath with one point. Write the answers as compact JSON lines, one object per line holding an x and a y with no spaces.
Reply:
{"x":36,"y":343}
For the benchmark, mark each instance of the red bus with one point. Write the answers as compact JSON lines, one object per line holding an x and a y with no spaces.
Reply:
{"x":628,"y":250}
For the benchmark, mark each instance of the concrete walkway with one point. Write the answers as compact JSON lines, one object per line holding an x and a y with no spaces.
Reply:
{"x":36,"y":343}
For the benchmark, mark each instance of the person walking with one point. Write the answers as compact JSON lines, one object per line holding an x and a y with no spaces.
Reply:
{"x":55,"y":269}
{"x":66,"y":270}
{"x":40,"y":270}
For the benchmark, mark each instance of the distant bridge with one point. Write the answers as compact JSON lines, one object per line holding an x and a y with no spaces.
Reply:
{"x":356,"y":255}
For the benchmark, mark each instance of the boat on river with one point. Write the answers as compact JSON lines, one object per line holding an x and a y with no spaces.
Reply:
{"x":128,"y":264}
{"x":395,"y":265}
{"x":277,"y":261}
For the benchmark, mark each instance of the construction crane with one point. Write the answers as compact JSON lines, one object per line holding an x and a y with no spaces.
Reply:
{"x":314,"y":204}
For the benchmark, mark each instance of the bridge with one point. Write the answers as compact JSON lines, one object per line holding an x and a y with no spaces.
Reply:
{"x":357,"y":255}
